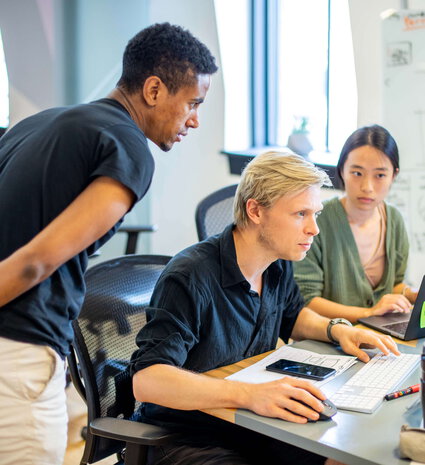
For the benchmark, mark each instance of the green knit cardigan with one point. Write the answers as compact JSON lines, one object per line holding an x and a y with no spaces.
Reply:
{"x":332,"y":267}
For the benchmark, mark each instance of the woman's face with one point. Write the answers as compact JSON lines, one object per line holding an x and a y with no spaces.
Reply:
{"x":368,"y":174}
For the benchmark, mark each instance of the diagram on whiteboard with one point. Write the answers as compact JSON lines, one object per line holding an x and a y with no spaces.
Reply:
{"x":399,"y":53}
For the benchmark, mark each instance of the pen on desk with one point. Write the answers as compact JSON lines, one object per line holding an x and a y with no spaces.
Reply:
{"x":402,"y":392}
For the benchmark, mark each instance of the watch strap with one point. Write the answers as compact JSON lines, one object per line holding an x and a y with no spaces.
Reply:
{"x":331,"y":324}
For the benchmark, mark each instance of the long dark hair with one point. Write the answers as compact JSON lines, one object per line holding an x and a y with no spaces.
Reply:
{"x":376,"y":136}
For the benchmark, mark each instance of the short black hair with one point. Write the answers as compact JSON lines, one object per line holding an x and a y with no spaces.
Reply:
{"x":375,"y":136}
{"x":167,"y":51}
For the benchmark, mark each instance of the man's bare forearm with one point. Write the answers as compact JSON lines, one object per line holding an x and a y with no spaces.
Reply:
{"x":174,"y":387}
{"x":310,"y":325}
{"x":180,"y":389}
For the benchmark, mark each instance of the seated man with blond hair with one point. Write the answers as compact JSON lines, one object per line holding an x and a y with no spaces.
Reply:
{"x":228,"y":298}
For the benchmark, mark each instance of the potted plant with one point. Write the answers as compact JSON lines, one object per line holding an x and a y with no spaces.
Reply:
{"x":298,"y":140}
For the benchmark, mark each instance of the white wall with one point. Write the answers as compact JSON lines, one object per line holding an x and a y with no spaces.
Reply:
{"x":193,"y":168}
{"x":365,"y":26}
{"x":32,"y":55}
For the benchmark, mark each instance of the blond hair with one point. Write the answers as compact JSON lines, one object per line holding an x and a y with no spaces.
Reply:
{"x":271,"y":175}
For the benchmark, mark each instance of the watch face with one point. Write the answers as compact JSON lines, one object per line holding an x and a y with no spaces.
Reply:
{"x":343,"y":321}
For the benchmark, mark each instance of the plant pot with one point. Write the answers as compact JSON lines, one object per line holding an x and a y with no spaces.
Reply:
{"x":300,"y":144}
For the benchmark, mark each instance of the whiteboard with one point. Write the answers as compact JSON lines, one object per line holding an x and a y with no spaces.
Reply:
{"x":403,"y":34}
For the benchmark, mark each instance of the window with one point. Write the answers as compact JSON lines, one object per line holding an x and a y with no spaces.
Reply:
{"x":300,"y":75}
{"x":4,"y":90}
{"x":232,"y":25}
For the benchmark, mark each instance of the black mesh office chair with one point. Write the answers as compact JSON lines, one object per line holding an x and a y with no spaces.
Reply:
{"x":215,"y":212}
{"x":118,"y":291}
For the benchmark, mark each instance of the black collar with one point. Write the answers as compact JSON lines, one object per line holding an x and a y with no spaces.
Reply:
{"x":230,"y":271}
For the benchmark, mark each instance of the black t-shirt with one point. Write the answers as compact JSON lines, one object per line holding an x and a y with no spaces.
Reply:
{"x":46,"y":161}
{"x":204,"y":315}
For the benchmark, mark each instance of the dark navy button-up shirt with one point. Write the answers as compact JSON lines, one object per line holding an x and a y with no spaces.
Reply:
{"x":203,"y":314}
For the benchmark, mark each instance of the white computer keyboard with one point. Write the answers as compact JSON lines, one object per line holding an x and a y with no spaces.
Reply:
{"x":365,"y":391}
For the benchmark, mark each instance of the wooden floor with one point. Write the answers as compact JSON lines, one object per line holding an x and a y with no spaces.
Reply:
{"x":77,"y":419}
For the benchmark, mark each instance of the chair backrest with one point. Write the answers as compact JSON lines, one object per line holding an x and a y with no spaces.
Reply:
{"x":113,"y":312}
{"x":215,"y":212}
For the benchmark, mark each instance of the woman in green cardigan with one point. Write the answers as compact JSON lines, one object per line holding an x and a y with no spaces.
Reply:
{"x":356,"y":265}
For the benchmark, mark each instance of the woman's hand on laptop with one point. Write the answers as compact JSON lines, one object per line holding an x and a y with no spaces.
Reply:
{"x":352,"y":340}
{"x":410,"y":293}
{"x":390,"y":303}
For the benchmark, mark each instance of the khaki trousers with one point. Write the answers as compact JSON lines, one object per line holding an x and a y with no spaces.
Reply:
{"x":33,"y":416}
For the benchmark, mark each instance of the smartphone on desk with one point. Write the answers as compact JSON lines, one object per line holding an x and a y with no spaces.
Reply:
{"x":303,"y":370}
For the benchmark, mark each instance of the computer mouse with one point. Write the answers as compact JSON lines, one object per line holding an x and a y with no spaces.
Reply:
{"x":327,"y":413}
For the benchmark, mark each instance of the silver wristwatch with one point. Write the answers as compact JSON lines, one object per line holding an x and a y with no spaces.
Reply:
{"x":333,"y":322}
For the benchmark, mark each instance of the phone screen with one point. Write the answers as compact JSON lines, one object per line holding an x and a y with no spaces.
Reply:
{"x":303,"y":370}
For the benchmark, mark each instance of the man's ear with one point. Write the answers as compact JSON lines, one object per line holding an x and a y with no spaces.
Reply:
{"x":253,"y":210}
{"x":152,"y":90}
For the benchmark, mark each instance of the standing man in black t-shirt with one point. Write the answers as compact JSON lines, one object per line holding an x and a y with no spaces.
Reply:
{"x":67,"y":177}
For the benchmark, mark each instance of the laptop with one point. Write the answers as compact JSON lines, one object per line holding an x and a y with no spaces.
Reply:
{"x":405,"y":326}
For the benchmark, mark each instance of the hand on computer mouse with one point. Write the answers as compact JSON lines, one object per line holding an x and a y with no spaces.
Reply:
{"x":329,"y":411}
{"x":326,"y":414}
{"x":282,"y":398}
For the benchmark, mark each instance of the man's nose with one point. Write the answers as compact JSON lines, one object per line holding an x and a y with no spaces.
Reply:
{"x":312,"y":228}
{"x":193,"y":121}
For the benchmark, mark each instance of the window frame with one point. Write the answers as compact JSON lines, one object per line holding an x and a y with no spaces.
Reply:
{"x":263,"y":85}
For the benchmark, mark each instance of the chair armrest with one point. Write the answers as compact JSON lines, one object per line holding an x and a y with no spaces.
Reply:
{"x":75,"y":375}
{"x":130,"y":431}
{"x":133,"y":235}
{"x":138,"y":229}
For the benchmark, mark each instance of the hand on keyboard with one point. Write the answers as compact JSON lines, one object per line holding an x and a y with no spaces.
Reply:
{"x":353,"y":339}
{"x":391,"y":303}
{"x":365,"y":391}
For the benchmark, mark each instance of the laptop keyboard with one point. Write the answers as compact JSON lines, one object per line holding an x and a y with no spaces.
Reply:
{"x":400,"y":327}
{"x":365,"y":391}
